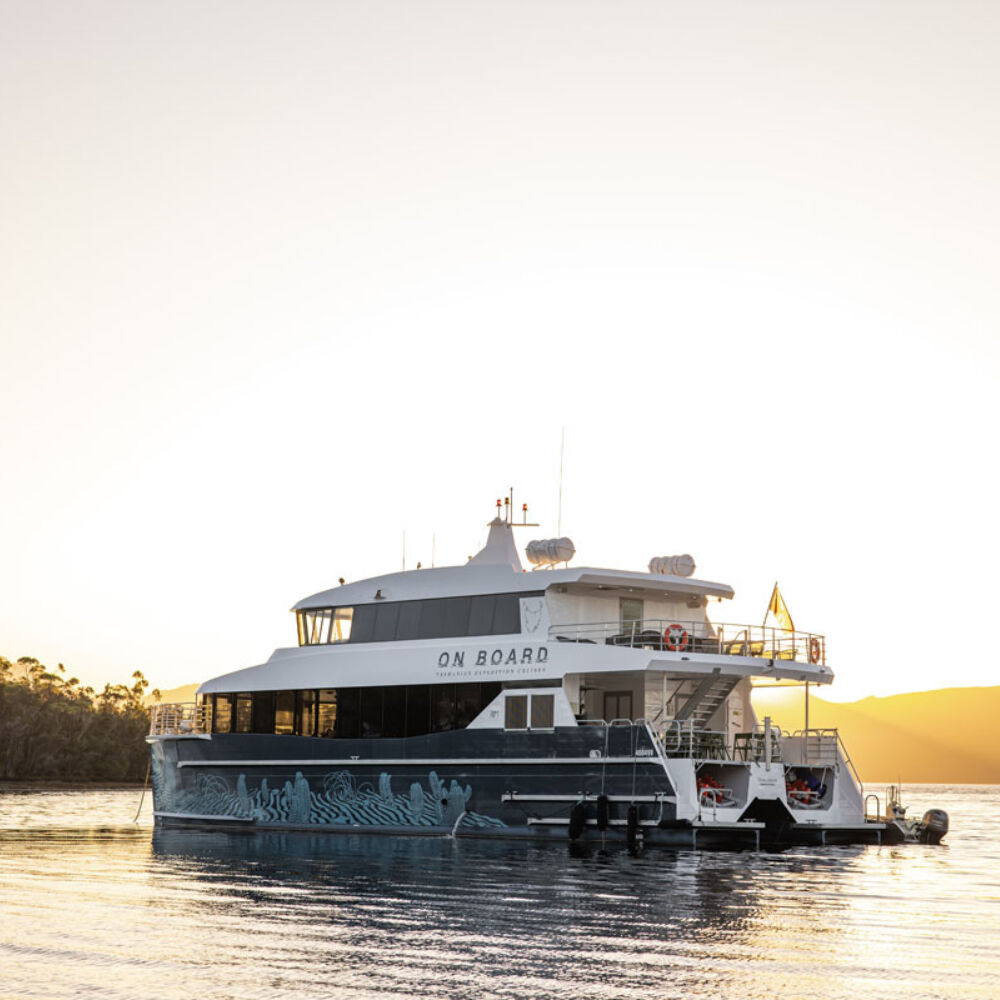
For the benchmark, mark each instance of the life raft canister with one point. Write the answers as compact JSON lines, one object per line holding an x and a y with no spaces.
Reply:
{"x":815,"y":650}
{"x":675,"y":637}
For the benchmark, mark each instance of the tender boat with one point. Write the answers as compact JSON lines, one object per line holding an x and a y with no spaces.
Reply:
{"x":486,"y":700}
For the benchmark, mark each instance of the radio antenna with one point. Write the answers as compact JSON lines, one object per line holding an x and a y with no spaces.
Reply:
{"x":562,"y":448}
{"x":404,"y":550}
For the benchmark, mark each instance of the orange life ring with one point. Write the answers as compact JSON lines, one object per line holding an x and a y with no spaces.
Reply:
{"x":815,"y":650}
{"x":675,"y":638}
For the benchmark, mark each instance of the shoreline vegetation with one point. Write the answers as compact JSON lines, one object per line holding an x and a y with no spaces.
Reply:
{"x":54,"y":731}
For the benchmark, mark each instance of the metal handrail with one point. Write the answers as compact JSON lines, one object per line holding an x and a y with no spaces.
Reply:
{"x":180,"y":719}
{"x":701,"y":636}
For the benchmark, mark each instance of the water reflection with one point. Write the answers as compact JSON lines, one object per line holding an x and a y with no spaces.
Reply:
{"x":126,"y":912}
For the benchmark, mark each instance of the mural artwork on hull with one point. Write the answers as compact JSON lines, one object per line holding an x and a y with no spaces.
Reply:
{"x":341,"y":802}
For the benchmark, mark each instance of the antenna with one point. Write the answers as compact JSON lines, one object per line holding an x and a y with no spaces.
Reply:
{"x":404,"y":550}
{"x":562,"y":447}
{"x":433,"y":546}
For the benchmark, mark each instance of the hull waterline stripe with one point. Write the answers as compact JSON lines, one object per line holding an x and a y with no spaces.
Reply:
{"x":420,"y":762}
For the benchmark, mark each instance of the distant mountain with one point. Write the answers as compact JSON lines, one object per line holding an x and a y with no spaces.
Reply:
{"x":934,"y":736}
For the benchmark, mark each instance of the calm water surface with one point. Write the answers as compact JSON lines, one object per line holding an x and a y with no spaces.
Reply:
{"x":94,"y":906}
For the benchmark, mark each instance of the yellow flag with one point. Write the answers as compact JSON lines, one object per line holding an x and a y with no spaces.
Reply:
{"x":780,"y":612}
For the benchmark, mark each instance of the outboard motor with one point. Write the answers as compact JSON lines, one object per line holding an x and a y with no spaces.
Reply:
{"x":935,"y":826}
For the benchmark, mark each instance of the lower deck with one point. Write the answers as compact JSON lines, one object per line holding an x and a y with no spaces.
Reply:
{"x":568,"y":783}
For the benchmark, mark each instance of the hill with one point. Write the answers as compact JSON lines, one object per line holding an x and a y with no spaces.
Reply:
{"x":928,"y":736}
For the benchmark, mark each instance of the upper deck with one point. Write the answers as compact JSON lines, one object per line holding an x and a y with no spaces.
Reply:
{"x":491,"y":620}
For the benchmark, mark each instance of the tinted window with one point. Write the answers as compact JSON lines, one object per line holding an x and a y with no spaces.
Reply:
{"x":442,"y":707}
{"x":371,"y":712}
{"x":432,"y":620}
{"x":516,"y":711}
{"x":306,"y":713}
{"x":418,"y":709}
{"x":244,"y":713}
{"x":481,"y":614}
{"x":408,"y":626}
{"x":394,"y":711}
{"x":222,"y":714}
{"x":490,"y":689}
{"x":363,"y":626}
{"x":284,"y":713}
{"x":456,"y":615}
{"x":348,"y":713}
{"x":468,"y":703}
{"x":542,"y":711}
{"x":507,"y":616}
{"x":326,"y":712}
{"x":386,"y":616}
{"x":263,"y":711}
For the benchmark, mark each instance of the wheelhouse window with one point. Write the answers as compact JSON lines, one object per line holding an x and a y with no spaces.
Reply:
{"x":320,"y":626}
{"x":435,"y":618}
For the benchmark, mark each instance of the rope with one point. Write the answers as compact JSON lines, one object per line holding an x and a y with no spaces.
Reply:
{"x":145,"y":785}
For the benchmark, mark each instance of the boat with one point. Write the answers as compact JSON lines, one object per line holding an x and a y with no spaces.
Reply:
{"x":491,"y":700}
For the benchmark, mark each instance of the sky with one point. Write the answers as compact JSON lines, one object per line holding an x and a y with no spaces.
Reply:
{"x":281,"y":282}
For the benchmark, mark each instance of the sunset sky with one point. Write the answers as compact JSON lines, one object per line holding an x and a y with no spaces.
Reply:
{"x":281,"y":281}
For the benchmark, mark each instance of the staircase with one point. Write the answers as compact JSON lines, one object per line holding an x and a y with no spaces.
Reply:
{"x":704,"y":701}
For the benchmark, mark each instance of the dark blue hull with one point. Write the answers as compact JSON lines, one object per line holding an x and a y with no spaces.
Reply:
{"x":485,"y":782}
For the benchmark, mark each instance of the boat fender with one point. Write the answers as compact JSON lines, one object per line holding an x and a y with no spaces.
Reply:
{"x":577,"y":820}
{"x":602,"y":812}
{"x":675,"y":638}
{"x":632,"y":825}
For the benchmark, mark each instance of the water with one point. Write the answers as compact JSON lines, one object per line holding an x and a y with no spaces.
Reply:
{"x":92,"y":906}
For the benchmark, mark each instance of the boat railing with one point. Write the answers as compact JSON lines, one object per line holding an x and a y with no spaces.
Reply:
{"x":180,"y":719}
{"x":819,"y":746}
{"x":673,"y":635}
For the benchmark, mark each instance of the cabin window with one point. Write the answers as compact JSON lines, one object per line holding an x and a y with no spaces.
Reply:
{"x":305,"y":713}
{"x":263,"y":712}
{"x":631,"y":615}
{"x":326,"y":713}
{"x":542,"y":711}
{"x":394,"y":711}
{"x":467,"y":703}
{"x":418,"y":709}
{"x":244,"y":713}
{"x":515,"y":711}
{"x":371,"y":712}
{"x":348,"y":713}
{"x":284,"y":713}
{"x":443,"y":708}
{"x":222,"y":714}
